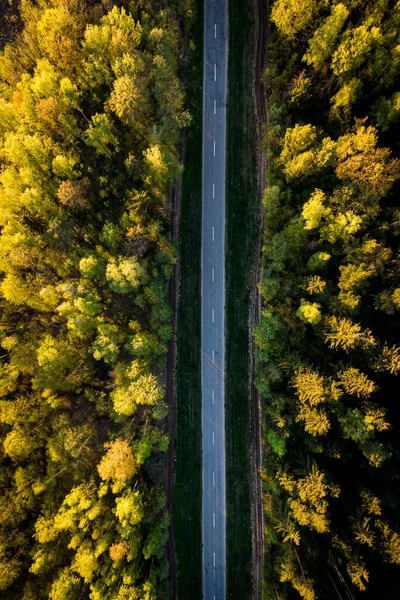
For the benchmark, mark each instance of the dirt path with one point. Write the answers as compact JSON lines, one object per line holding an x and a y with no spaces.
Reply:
{"x":259,"y":97}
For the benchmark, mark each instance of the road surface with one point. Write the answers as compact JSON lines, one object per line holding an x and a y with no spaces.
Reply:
{"x":213,"y":298}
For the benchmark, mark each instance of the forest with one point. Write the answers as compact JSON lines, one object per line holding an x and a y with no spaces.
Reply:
{"x":91,"y":109}
{"x":328,"y":357}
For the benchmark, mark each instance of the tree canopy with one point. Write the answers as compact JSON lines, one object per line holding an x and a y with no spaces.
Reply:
{"x":91,"y":110}
{"x":328,"y":341}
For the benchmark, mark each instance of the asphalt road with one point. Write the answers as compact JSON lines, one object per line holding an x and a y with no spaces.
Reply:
{"x":213,"y":298}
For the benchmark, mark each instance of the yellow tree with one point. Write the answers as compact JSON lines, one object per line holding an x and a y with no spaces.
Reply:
{"x":389,"y":360}
{"x":352,"y":278}
{"x":322,"y":44}
{"x":343,"y":333}
{"x":311,"y":391}
{"x":360,"y":160}
{"x":308,"y":498}
{"x":291,"y":17}
{"x":357,"y":383}
{"x":119,"y":462}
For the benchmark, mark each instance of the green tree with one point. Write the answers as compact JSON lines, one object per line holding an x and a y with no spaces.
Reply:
{"x":129,"y":509}
{"x":343,"y":101}
{"x":354,"y":47}
{"x":65,"y":586}
{"x":290,"y":18}
{"x":321,"y":45}
{"x":57,"y":34}
{"x":99,"y":135}
{"x":107,"y":343}
{"x":125,"y":275}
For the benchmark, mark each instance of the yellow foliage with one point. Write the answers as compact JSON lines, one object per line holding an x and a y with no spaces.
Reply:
{"x":291,"y":17}
{"x":370,"y":503}
{"x":44,"y":530}
{"x":311,"y":390}
{"x":396,"y":297}
{"x":361,"y":161}
{"x":391,"y":542}
{"x":290,"y":574}
{"x":309,"y":386}
{"x":375,"y":418}
{"x":343,"y":333}
{"x":354,"y":565}
{"x":335,"y":391}
{"x":289,"y":531}
{"x":280,"y":422}
{"x":297,"y":139}
{"x":299,"y":86}
{"x":129,"y":509}
{"x":18,"y":445}
{"x":353,"y":277}
{"x":316,"y":421}
{"x":146,"y":390}
{"x":349,"y":299}
{"x":85,"y":562}
{"x":118,"y":550}
{"x":355,"y":44}
{"x":363,"y":534}
{"x":18,"y":291}
{"x":308,"y":498}
{"x":315,"y":285}
{"x":286,"y":481}
{"x":344,"y":99}
{"x":357,"y":383}
{"x":157,"y":167}
{"x":321,"y":45}
{"x":119,"y":462}
{"x":310,"y":311}
{"x":301,"y":155}
{"x":389,"y":360}
{"x":314,"y":210}
{"x":358,"y":574}
{"x":374,"y":457}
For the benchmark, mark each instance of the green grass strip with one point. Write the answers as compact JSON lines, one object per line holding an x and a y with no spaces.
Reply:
{"x":241,"y":199}
{"x":187,"y":489}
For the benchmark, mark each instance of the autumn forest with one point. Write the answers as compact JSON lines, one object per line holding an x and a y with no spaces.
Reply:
{"x":96,"y":102}
{"x":90,"y":113}
{"x":328,"y":353}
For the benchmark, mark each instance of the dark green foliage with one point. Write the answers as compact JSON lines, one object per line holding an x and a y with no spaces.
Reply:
{"x":328,"y":354}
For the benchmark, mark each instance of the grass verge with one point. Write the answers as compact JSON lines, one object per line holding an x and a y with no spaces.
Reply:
{"x":241,"y":242}
{"x":187,"y":488}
